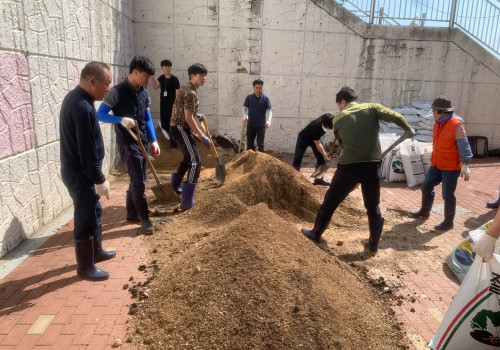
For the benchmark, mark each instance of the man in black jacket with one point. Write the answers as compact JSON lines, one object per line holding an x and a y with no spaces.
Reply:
{"x":82,"y":152}
{"x":311,"y":136}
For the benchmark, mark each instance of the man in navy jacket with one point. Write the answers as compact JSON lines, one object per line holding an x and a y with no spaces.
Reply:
{"x":82,"y":152}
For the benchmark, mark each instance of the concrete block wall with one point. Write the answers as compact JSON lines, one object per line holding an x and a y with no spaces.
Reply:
{"x":43,"y":47}
{"x":305,"y":50}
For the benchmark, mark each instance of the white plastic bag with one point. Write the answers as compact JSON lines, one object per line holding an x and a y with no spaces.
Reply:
{"x":472,"y":321}
{"x":461,"y":257}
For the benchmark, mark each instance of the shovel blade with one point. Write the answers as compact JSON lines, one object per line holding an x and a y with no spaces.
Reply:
{"x":165,"y":194}
{"x":318,"y":173}
{"x":220,"y":174}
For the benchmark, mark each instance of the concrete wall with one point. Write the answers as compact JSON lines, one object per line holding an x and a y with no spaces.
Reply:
{"x":305,"y":50}
{"x":43,"y":46}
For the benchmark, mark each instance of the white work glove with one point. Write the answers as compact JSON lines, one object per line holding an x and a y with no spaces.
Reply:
{"x":128,"y":123}
{"x":464,"y":172}
{"x":268,"y":124}
{"x":103,"y":189}
{"x":206,"y":141}
{"x":155,"y":149}
{"x":200,"y":116}
{"x":484,"y":246}
{"x":410,"y":133}
{"x":245,"y":117}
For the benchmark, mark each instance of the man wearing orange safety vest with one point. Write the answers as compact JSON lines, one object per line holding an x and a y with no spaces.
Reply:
{"x":451,"y":155}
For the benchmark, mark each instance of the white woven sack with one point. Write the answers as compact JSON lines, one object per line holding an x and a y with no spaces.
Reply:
{"x":412,"y":163}
{"x":386,"y":140}
{"x":473,"y":318}
{"x":425,"y":153}
{"x":394,"y":167}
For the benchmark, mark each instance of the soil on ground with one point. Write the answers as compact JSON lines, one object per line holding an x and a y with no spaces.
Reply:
{"x":235,"y":272}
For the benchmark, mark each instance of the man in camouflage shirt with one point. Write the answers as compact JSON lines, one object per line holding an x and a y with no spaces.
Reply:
{"x":182,"y":125}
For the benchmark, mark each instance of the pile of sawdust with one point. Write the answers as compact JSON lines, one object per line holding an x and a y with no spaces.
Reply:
{"x":234,"y":272}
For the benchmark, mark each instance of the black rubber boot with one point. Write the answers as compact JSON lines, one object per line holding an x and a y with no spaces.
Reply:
{"x":132,"y":217}
{"x":494,"y":204}
{"x":376,"y":226}
{"x":425,"y":210}
{"x":320,"y":225}
{"x":449,"y":216}
{"x":296,"y":167}
{"x":84,"y":250}
{"x":175,"y":183}
{"x":188,"y":189}
{"x":141,"y":205}
{"x":99,"y":253}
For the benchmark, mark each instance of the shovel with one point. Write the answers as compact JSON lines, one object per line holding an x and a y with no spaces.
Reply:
{"x":242,"y":133}
{"x":163,"y":192}
{"x":323,"y":168}
{"x":397,"y":142}
{"x":220,"y":171}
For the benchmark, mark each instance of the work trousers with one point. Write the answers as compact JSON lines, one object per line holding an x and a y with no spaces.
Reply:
{"x":165,"y":116}
{"x":300,"y":149}
{"x":435,"y":176}
{"x":192,"y":160}
{"x":253,"y":131}
{"x":87,"y":209}
{"x":345,"y":179}
{"x":137,"y":167}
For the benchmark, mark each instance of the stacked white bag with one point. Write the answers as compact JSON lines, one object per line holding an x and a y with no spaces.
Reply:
{"x":418,"y":115}
{"x":409,"y":161}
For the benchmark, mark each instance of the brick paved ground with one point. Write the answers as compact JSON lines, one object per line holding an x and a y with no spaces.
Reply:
{"x":44,"y":305}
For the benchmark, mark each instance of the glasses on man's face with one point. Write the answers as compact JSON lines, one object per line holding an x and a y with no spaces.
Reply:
{"x":106,"y":83}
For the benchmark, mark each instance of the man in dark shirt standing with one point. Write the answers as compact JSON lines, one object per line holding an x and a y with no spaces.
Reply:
{"x":82,"y":152}
{"x":311,"y":136}
{"x":169,"y":87}
{"x":257,"y":111}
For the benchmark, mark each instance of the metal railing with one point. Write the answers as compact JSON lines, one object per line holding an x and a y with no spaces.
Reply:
{"x":480,"y":19}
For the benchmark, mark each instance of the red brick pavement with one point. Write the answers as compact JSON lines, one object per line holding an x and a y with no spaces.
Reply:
{"x":83,"y":314}
{"x":90,"y":315}
{"x":431,"y":283}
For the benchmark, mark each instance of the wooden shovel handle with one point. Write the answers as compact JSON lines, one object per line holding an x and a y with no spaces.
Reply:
{"x":144,"y":152}
{"x":205,"y":128}
{"x":331,"y":149}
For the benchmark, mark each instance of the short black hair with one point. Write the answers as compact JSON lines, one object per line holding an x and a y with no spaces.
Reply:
{"x":197,"y":68}
{"x":327,"y":120}
{"x":166,"y":63}
{"x":347,"y":94}
{"x":142,"y":64}
{"x":94,"y":69}
{"x":258,"y":82}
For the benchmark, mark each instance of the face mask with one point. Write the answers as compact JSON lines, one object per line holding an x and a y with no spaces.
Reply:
{"x":324,"y":129}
